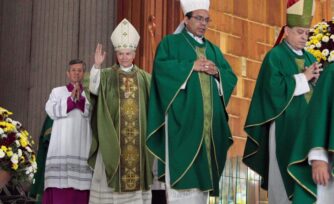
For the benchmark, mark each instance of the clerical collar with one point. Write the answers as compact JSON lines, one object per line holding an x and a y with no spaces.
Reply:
{"x":298,"y":52}
{"x":126,"y":69}
{"x":198,"y":39}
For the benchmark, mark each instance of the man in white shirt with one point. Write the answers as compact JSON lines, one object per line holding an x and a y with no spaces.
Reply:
{"x":67,"y":174}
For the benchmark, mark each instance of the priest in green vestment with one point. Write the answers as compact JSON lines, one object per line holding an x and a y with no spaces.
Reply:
{"x":311,"y":161}
{"x":279,"y":102}
{"x":187,"y":121}
{"x":122,"y":165}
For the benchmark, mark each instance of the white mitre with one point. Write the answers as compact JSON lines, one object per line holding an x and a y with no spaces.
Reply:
{"x":125,"y":36}
{"x":192,"y":5}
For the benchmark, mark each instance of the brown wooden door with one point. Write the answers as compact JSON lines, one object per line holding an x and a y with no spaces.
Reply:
{"x":153,"y":19}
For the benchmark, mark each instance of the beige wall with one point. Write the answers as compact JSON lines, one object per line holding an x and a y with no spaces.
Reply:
{"x":15,"y":44}
{"x":37,"y":40}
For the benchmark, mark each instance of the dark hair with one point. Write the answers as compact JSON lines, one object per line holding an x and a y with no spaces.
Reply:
{"x":189,"y":14}
{"x":77,"y":61}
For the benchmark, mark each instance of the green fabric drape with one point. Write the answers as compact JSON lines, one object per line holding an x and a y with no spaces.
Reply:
{"x":316,"y":132}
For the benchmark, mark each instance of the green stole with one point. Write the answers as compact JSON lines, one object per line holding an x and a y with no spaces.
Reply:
{"x":205,"y":84}
{"x":129,"y":129}
{"x":119,"y":129}
{"x":273,"y":101}
{"x":316,"y":132}
{"x":198,"y":135}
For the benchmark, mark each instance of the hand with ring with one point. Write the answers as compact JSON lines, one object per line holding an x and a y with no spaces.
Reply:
{"x":211,"y":68}
{"x":206,"y":66}
{"x":313,"y":71}
{"x":199,"y":64}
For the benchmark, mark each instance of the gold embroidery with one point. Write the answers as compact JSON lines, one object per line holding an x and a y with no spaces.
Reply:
{"x":129,"y":133}
{"x":205,"y":84}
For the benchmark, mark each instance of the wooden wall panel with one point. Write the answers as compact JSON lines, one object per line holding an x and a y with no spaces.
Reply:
{"x":167,"y":16}
{"x":275,"y":10}
{"x":323,"y":10}
{"x":256,"y":10}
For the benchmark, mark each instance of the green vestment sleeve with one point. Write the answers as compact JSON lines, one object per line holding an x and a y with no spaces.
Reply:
{"x":316,"y":132}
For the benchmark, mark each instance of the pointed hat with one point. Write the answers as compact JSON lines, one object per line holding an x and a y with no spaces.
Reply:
{"x":192,"y":5}
{"x":125,"y":36}
{"x":300,"y":13}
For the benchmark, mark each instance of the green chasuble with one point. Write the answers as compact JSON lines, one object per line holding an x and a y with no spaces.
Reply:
{"x":119,"y":129}
{"x":316,"y":132}
{"x":37,"y":187}
{"x":198,"y":131}
{"x":273,"y":101}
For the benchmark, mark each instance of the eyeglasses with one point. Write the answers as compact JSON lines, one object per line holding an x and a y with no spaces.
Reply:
{"x":201,"y":19}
